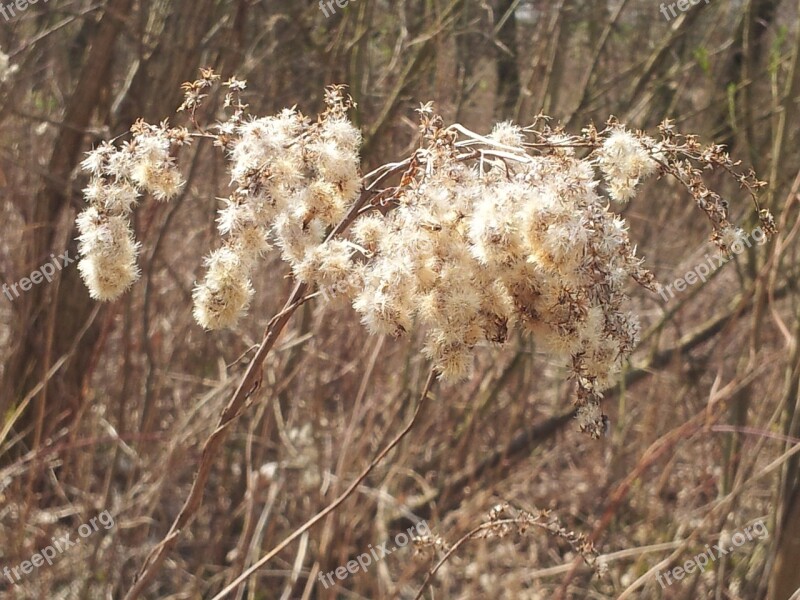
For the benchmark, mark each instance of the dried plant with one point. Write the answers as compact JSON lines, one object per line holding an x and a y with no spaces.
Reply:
{"x":244,"y":458}
{"x":480,"y":235}
{"x":502,"y":521}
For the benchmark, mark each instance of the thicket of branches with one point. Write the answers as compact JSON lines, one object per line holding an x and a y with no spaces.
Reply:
{"x":251,"y":460}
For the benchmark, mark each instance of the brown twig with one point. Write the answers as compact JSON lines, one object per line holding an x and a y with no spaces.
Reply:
{"x":339,"y":500}
{"x":463,"y":540}
{"x":501,"y":519}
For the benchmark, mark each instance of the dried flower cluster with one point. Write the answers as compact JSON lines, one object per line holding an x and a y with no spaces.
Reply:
{"x":484,"y":240}
{"x":685,"y":159}
{"x":481,"y":234}
{"x":294,"y":180}
{"x":625,"y":162}
{"x":118,"y":177}
{"x":505,"y":520}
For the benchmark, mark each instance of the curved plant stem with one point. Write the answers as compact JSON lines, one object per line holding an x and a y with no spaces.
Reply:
{"x":452,"y":550}
{"x":251,"y":382}
{"x":339,"y":500}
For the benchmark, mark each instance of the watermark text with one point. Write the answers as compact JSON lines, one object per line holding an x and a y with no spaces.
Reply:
{"x":699,"y":563}
{"x":45,"y":272}
{"x":59,"y":546}
{"x":363,"y":561}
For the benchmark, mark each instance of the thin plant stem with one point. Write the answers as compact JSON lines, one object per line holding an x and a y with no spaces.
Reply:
{"x":340,"y":499}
